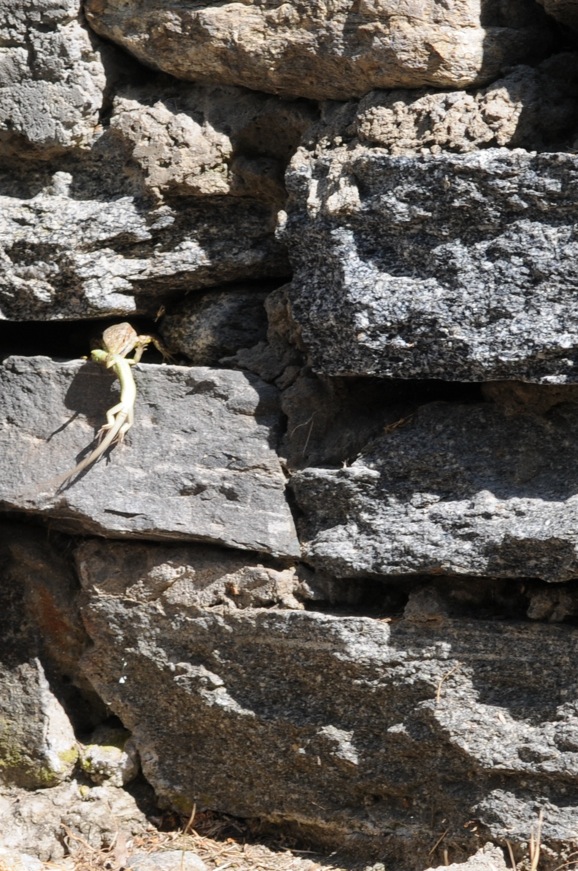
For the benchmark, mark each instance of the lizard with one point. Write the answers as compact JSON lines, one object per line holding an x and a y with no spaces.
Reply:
{"x":118,"y":341}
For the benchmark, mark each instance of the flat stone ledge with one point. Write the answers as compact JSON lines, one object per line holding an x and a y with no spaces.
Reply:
{"x":458,"y":489}
{"x":199,"y":463}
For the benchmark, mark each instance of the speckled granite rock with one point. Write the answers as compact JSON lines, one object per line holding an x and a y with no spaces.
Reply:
{"x":324,"y":50}
{"x":460,"y":267}
{"x":458,"y":489}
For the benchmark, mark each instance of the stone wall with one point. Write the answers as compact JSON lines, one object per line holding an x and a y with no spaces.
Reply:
{"x":329,"y":581}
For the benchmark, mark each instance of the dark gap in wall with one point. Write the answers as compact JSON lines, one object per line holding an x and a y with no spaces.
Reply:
{"x":71,"y":339}
{"x":363,"y":389}
{"x":451,"y":597}
{"x":64,"y":340}
{"x":360,"y":597}
{"x":563,"y":37}
{"x":332,"y":420}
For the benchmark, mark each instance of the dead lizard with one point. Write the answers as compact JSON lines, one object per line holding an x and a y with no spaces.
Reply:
{"x":117,"y":341}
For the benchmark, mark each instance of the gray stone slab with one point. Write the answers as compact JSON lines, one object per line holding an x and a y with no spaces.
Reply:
{"x":199,"y":463}
{"x":458,"y":489}
{"x":460,"y":267}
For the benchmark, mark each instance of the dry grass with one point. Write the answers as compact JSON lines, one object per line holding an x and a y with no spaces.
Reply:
{"x":534,"y":846}
{"x":222,"y":843}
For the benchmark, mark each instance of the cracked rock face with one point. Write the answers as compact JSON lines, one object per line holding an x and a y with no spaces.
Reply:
{"x":191,"y":479}
{"x":459,"y":267}
{"x":324,"y":50}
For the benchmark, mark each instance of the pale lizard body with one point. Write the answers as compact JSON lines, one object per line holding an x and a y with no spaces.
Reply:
{"x":118,"y":341}
{"x":119,"y":418}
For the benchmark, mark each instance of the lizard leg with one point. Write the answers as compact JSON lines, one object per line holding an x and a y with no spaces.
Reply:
{"x":111,"y":416}
{"x":141,"y":343}
{"x":126,"y":425}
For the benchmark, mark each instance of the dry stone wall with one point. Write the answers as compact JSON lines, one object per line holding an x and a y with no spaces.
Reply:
{"x":329,"y":581}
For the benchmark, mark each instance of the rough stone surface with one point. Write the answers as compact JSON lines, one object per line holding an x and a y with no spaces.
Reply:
{"x":39,"y":595}
{"x":278,"y":359}
{"x":37,"y":744}
{"x":52,"y":78}
{"x":556,"y":835}
{"x":217,"y":324}
{"x":350,"y":742}
{"x":518,"y":397}
{"x":402,"y":689}
{"x":204,"y":577}
{"x":179,"y":192}
{"x":460,"y":267}
{"x":530,"y":107}
{"x":330,"y":420}
{"x":193,"y":140}
{"x":47,"y":585}
{"x":489,"y":858}
{"x":32,"y":822}
{"x":109,"y":756}
{"x":325,"y":50}
{"x":459,"y":489}
{"x":12,"y":860}
{"x":199,"y":463}
{"x":79,"y":244}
